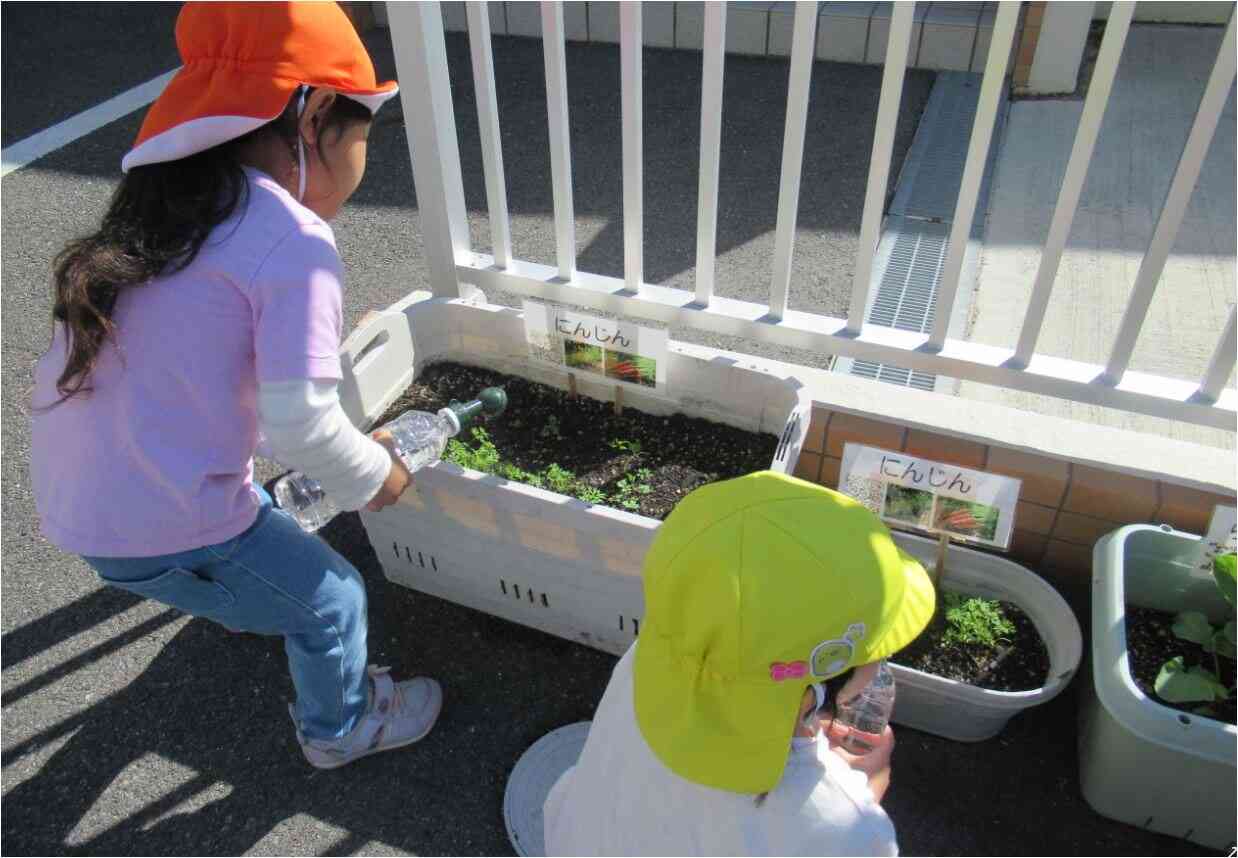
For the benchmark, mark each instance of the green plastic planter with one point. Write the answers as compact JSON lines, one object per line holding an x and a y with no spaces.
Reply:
{"x":1141,"y":762}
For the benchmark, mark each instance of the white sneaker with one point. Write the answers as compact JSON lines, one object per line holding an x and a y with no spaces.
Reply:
{"x":399,"y":713}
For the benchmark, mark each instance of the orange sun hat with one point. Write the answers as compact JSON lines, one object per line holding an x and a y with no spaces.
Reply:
{"x":242,"y":64}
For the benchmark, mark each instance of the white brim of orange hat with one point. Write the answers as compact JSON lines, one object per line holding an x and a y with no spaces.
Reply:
{"x":197,"y":135}
{"x":243,"y":62}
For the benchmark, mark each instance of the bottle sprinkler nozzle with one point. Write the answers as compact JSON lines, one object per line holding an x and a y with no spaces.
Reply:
{"x":491,"y":401}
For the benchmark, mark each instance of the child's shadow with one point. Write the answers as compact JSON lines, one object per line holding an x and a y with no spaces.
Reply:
{"x":191,"y":758}
{"x":198,"y":755}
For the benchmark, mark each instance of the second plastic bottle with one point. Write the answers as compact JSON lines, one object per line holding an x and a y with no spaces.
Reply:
{"x":866,"y":715}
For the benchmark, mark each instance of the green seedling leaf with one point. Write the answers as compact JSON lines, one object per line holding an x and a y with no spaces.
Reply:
{"x":1176,"y":684}
{"x":623,"y":445}
{"x":1222,"y":646}
{"x":559,"y":479}
{"x":975,"y":621}
{"x":1219,"y":688}
{"x":1194,"y":627}
{"x":590,"y":494}
{"x":1224,"y":571}
{"x":1222,"y":642}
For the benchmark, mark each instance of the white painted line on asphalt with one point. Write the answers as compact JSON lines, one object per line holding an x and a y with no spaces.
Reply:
{"x":63,"y":133}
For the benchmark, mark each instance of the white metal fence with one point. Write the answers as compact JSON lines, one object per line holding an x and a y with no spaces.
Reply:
{"x":417,"y":34}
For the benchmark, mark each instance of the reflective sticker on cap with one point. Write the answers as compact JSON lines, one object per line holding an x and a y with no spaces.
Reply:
{"x":830,"y":658}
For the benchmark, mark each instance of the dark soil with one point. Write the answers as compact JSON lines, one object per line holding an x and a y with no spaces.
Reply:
{"x":1020,"y":665}
{"x":544,"y":426}
{"x":1150,"y":642}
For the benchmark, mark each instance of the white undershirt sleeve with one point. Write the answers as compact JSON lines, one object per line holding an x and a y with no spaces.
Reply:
{"x":305,"y":428}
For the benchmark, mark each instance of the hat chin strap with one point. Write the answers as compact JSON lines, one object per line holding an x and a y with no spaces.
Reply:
{"x":300,"y":146}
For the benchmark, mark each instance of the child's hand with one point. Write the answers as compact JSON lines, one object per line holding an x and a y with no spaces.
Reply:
{"x":875,"y":764}
{"x":398,"y":478}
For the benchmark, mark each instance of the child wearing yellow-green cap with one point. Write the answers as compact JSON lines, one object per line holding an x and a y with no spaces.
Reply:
{"x":757,"y":591}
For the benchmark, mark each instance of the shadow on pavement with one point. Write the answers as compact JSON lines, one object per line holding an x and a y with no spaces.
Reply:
{"x":61,"y":624}
{"x":197,"y":755}
{"x":210,"y":709}
{"x":838,"y":143}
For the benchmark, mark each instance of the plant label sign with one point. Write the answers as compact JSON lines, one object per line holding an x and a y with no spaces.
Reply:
{"x":934,"y":497}
{"x":1220,"y":539}
{"x":618,"y":351}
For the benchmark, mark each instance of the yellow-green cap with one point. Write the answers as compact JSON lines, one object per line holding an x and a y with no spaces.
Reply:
{"x":754,"y":588}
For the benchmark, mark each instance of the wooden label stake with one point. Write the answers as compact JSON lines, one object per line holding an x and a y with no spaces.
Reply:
{"x":618,"y":399}
{"x":943,"y":545}
{"x":571,"y":384}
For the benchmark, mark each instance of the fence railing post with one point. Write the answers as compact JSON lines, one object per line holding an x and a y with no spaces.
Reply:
{"x":1103,"y":75}
{"x":430,"y":123}
{"x":488,"y":127}
{"x":1173,"y":210}
{"x":631,"y":47}
{"x":1222,"y":362}
{"x":879,"y":164}
{"x":973,"y":169}
{"x":803,"y":50}
{"x":555,"y":58}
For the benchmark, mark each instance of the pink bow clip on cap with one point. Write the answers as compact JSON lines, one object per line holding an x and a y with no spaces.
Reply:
{"x":778,"y":671}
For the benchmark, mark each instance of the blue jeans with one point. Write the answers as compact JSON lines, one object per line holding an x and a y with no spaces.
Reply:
{"x":273,"y":579}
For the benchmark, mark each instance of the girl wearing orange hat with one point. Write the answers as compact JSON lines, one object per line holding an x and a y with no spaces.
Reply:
{"x":205,"y":312}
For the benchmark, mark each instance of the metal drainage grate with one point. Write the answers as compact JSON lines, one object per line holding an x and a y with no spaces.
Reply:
{"x":907,"y":295}
{"x":912,"y":251}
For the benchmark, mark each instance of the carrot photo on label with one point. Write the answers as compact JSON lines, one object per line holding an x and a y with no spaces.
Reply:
{"x":631,"y":368}
{"x":966,"y":518}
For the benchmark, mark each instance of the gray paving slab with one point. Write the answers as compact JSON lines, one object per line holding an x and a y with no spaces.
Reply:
{"x":129,"y":729}
{"x":1159,"y":83}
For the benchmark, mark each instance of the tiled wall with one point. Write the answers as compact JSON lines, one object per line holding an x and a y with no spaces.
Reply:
{"x":954,"y":36}
{"x":1063,"y":507}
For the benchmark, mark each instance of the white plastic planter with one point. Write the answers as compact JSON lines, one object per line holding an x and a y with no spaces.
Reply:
{"x":1139,"y":761}
{"x":573,"y":569}
{"x":956,"y":710}
{"x":530,"y":555}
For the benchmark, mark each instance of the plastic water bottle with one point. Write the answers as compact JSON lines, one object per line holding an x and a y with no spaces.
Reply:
{"x":866,"y":715}
{"x":420,"y":439}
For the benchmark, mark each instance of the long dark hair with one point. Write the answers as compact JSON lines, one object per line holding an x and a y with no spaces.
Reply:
{"x":155,"y":224}
{"x":832,"y":687}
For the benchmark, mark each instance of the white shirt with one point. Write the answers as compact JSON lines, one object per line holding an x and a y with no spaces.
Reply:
{"x":619,"y":799}
{"x":302,"y":426}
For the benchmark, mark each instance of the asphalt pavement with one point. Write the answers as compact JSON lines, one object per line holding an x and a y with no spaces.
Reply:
{"x":62,"y":58}
{"x":130,"y":729}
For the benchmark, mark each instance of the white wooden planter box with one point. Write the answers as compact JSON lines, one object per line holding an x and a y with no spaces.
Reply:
{"x":956,"y":710}
{"x":526,"y":554}
{"x":574,"y":569}
{"x":1140,"y":761}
